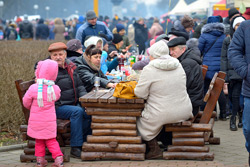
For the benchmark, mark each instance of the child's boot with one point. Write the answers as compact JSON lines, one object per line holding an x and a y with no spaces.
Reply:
{"x":41,"y":162}
{"x":58,"y":162}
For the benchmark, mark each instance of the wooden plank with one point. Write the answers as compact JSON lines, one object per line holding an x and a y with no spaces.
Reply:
{"x":188,"y":141}
{"x":188,"y":156}
{"x":130,"y":101}
{"x":183,"y":123}
{"x":121,"y":100}
{"x":86,"y":96}
{"x":209,"y":108}
{"x":139,"y":101}
{"x":113,"y":105}
{"x":62,"y":125}
{"x":121,"y":148}
{"x":111,"y":155}
{"x":207,"y":134}
{"x":172,"y":148}
{"x":95,"y":97}
{"x":194,"y":128}
{"x":23,"y":128}
{"x":31,"y":143}
{"x":127,"y":126}
{"x":222,"y":75}
{"x":113,"y":132}
{"x":214,"y":140}
{"x":107,"y":113}
{"x":105,"y":97}
{"x":210,"y":88}
{"x":113,"y":119}
{"x":112,"y":99}
{"x":214,"y":114}
{"x":188,"y":134}
{"x":118,"y":139}
{"x":31,"y":151}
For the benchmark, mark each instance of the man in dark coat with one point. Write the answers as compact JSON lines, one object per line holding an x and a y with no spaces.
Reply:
{"x":141,"y":34}
{"x":68,"y":107}
{"x":26,"y":29}
{"x":42,"y":30}
{"x":239,"y":57}
{"x":191,"y":64}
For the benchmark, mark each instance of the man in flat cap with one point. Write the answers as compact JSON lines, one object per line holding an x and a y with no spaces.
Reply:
{"x":68,"y":107}
{"x":191,"y":65}
{"x":93,"y":28}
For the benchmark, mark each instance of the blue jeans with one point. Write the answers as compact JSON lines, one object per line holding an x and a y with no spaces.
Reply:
{"x":79,"y":123}
{"x":246,"y":122}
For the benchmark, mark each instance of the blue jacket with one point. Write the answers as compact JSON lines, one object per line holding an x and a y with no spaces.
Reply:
{"x":87,"y":29}
{"x":211,"y":57}
{"x":239,"y":55}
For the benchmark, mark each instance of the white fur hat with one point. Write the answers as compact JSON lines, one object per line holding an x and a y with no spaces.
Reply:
{"x":159,"y":49}
{"x":237,"y":20}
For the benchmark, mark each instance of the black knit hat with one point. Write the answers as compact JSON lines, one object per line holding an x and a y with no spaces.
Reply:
{"x":232,"y":12}
{"x":179,"y":34}
{"x":117,"y":38}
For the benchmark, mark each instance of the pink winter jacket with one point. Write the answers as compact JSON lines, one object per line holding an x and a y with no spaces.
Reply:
{"x":42,"y":120}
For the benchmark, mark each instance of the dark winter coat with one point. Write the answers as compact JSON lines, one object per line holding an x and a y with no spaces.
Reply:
{"x":211,"y":49}
{"x":191,"y":64}
{"x":42,"y":30}
{"x":141,"y":34}
{"x":88,"y":74}
{"x":72,"y":55}
{"x":26,"y":29}
{"x":239,"y":55}
{"x":197,"y":30}
{"x":71,"y":86}
{"x":225,"y":65}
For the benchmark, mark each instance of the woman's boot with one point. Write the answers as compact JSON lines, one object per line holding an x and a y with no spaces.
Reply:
{"x":240,"y":125}
{"x":58,"y":162}
{"x":41,"y":162}
{"x":233,"y":126}
{"x":154,"y":150}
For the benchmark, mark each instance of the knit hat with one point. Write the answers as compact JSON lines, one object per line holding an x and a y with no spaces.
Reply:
{"x":162,"y":36}
{"x":213,"y":19}
{"x":177,"y":41}
{"x":232,"y":12}
{"x":117,"y":38}
{"x":93,"y":40}
{"x":74,"y":45}
{"x":179,"y":34}
{"x":57,"y":46}
{"x":120,"y":27}
{"x":159,"y":49}
{"x":90,"y":15}
{"x":187,"y":21}
{"x":237,"y":20}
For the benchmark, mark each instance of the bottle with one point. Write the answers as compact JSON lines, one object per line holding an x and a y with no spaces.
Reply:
{"x":124,"y":77}
{"x":97,"y":83}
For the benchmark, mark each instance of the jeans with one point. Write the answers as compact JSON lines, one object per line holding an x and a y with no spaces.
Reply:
{"x":79,"y":123}
{"x":246,"y":122}
{"x":234,"y":90}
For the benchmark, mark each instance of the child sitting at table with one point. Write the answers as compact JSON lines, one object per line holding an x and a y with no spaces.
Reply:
{"x":40,"y":100}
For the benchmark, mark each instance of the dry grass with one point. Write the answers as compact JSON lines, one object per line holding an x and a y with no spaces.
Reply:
{"x":17,"y":61}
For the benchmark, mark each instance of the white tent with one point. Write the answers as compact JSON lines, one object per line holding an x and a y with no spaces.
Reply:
{"x":199,"y":6}
{"x":179,"y":8}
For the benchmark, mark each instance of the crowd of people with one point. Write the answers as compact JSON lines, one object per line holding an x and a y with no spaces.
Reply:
{"x":171,"y":80}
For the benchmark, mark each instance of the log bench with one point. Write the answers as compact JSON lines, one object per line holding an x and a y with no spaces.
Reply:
{"x":63,"y":129}
{"x":114,"y":134}
{"x":190,"y":137}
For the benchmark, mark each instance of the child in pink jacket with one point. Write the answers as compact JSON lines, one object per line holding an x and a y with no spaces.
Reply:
{"x":40,"y":100}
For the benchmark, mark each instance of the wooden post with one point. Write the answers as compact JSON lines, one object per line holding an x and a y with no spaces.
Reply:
{"x":96,"y":7}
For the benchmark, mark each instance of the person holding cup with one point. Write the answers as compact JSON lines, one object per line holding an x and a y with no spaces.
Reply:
{"x":88,"y":67}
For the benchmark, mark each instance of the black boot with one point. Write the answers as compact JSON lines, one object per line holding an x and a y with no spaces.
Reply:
{"x":233,"y":126}
{"x":240,"y":125}
{"x":154,"y":150}
{"x":75,"y":152}
{"x":223,"y":116}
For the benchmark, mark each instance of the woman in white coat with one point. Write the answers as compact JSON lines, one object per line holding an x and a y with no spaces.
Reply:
{"x":163,"y":84}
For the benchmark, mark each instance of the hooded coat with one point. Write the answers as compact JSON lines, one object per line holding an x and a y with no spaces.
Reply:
{"x":210,"y":44}
{"x":42,"y":30}
{"x":59,"y":30}
{"x":163,"y":84}
{"x":42,"y":120}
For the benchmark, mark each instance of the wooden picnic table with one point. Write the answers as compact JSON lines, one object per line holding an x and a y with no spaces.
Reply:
{"x":114,"y":132}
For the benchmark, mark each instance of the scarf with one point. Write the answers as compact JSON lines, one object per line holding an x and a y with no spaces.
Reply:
{"x":91,"y":65}
{"x":50,"y":91}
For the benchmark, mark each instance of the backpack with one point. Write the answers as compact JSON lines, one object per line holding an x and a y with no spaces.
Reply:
{"x":1,"y":35}
{"x":12,"y":35}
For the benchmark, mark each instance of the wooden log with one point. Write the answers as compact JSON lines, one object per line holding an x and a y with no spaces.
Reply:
{"x":119,"y":139}
{"x":207,"y":134}
{"x":193,"y":128}
{"x":89,"y":109}
{"x":113,"y":126}
{"x":110,"y":155}
{"x":172,"y":148}
{"x":62,"y":125}
{"x":183,"y":123}
{"x":31,"y":158}
{"x":188,"y":141}
{"x":112,"y":104}
{"x":108,"y":113}
{"x":31,"y":151}
{"x":121,"y":148}
{"x":67,"y":142}
{"x":66,"y":135}
{"x":214,"y":140}
{"x":113,"y":119}
{"x":31,"y":143}
{"x":113,"y":132}
{"x":23,"y":128}
{"x":214,"y":114}
{"x":26,"y":137}
{"x":188,"y":134}
{"x":188,"y":156}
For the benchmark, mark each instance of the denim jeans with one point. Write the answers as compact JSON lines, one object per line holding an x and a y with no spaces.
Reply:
{"x":246,"y":122}
{"x":234,"y":90}
{"x":79,"y":123}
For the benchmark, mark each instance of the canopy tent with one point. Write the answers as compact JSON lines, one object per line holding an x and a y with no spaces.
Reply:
{"x":220,"y":9}
{"x":199,"y":7}
{"x":178,"y":9}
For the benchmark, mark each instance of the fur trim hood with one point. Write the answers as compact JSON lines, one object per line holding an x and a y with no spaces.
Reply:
{"x":192,"y":43}
{"x":217,"y":27}
{"x":165,"y":62}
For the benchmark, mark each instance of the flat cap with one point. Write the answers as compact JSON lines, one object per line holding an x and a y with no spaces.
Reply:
{"x":177,"y":41}
{"x":57,"y":46}
{"x":179,"y":34}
